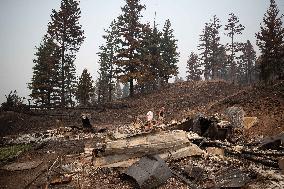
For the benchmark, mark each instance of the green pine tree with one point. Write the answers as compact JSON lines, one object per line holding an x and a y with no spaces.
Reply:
{"x":223,"y":58}
{"x":215,"y":64}
{"x":67,"y":33}
{"x":152,"y":66}
{"x":170,"y":56}
{"x":85,"y":88}
{"x":44,"y":84}
{"x":270,"y":41}
{"x":204,"y":48}
{"x":233,"y":28}
{"x":193,"y":68}
{"x":247,"y":63}
{"x":107,"y":60}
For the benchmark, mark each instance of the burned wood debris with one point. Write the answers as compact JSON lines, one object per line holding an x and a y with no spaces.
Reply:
{"x":202,"y":152}
{"x":198,"y":152}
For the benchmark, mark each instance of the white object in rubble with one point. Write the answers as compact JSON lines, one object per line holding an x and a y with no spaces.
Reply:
{"x":150,"y":116}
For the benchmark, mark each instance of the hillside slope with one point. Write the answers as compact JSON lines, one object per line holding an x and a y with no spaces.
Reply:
{"x":180,"y":100}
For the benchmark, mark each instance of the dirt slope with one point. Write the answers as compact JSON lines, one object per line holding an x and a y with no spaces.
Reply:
{"x":179,"y":100}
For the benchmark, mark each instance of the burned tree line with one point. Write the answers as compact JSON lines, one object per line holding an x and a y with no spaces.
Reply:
{"x":237,"y":61}
{"x":54,"y":81}
{"x":134,"y":54}
{"x":137,"y":57}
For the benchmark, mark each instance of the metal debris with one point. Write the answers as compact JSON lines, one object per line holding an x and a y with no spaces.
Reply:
{"x":149,"y":172}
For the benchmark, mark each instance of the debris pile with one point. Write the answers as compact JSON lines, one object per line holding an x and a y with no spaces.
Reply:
{"x":201,"y":152}
{"x":59,"y":134}
{"x":198,"y":152}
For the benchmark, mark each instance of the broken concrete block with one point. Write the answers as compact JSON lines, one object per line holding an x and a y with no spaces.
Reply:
{"x":250,"y":122}
{"x":215,"y":151}
{"x":236,"y":116}
{"x":149,"y":172}
{"x":22,"y":166}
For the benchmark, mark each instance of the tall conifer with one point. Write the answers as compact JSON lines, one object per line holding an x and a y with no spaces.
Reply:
{"x":270,"y":41}
{"x":66,"y":32}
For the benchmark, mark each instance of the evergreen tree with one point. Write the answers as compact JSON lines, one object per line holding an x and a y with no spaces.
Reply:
{"x":169,"y":53}
{"x":103,"y":85}
{"x":204,"y":47}
{"x":129,"y":30}
{"x":270,"y":40}
{"x":247,"y":63}
{"x":95,"y":94}
{"x":151,"y":59}
{"x":85,"y":88}
{"x":13,"y":102}
{"x":67,"y":33}
{"x":210,"y":47}
{"x":233,"y":28}
{"x":107,"y":59}
{"x":215,"y":66}
{"x":222,"y":58}
{"x":193,"y":70}
{"x":44,"y":84}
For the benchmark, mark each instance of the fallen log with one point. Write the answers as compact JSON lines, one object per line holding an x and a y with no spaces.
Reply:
{"x":169,"y":145}
{"x":126,"y":160}
{"x":152,"y":143}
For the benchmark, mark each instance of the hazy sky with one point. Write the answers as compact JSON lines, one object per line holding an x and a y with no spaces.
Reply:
{"x":24,"y":22}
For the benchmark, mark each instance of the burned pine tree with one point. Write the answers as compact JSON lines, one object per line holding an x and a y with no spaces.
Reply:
{"x":233,"y":28}
{"x":66,"y":32}
{"x":270,"y":41}
{"x":129,"y":33}
{"x":193,"y":68}
{"x":44,"y":85}
{"x":85,"y":88}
